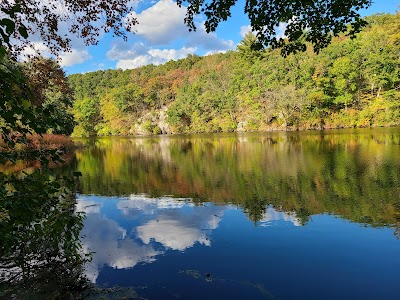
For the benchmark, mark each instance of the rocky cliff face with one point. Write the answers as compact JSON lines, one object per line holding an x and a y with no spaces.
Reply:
{"x":153,"y":122}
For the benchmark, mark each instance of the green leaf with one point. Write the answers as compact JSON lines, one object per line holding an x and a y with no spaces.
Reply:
{"x":3,"y":52}
{"x":9,"y":24}
{"x":77,"y":174}
{"x":23,"y":31}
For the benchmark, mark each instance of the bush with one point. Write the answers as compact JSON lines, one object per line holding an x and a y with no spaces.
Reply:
{"x":157,"y":130}
{"x":40,"y":143}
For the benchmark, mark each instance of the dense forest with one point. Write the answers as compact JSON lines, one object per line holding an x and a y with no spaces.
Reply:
{"x":351,"y":83}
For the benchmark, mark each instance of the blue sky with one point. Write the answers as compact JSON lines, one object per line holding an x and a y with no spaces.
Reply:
{"x":161,"y":35}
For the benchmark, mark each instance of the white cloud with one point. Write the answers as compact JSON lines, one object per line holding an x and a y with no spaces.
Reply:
{"x":168,"y":54}
{"x":149,"y":205}
{"x":76,"y":56}
{"x":36,"y":48}
{"x":160,"y":23}
{"x":136,"y":55}
{"x":279,"y":30}
{"x":122,"y":50}
{"x":245,"y":30}
{"x":175,"y":223}
{"x":177,"y":229}
{"x":78,"y":50}
{"x":208,"y":41}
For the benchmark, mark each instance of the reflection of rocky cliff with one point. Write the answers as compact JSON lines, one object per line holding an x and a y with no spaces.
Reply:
{"x":355,"y":175}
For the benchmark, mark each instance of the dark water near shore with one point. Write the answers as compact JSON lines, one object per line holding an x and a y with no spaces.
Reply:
{"x":310,"y":215}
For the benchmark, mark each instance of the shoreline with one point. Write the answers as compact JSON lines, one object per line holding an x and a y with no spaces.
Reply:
{"x":269,"y":130}
{"x":40,"y":143}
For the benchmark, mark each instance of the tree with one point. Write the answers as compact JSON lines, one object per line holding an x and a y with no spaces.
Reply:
{"x":313,"y":21}
{"x":50,"y":90}
{"x":84,"y":19}
{"x":248,"y":47}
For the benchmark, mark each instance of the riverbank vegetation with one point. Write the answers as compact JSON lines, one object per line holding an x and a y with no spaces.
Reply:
{"x":36,"y":116}
{"x":38,"y":142}
{"x":351,"y":83}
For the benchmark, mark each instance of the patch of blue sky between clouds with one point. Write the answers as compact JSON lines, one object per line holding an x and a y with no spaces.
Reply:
{"x":161,"y":35}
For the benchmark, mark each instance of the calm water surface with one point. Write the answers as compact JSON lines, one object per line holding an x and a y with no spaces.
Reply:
{"x":311,"y":215}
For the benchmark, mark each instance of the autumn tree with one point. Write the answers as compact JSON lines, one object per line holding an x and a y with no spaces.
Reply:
{"x":307,"y":20}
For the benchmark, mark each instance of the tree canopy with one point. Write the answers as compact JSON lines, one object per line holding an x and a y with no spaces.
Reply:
{"x":351,"y":83}
{"x":313,"y":21}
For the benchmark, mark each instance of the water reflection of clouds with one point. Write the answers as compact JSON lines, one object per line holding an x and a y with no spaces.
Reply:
{"x":273,"y":215}
{"x":88,"y":207}
{"x":110,"y":243}
{"x":174,"y":223}
{"x":179,"y":231}
{"x":120,"y":242}
{"x":145,"y":205}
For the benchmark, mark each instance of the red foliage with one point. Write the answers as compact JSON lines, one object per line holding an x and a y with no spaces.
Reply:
{"x":37,"y":143}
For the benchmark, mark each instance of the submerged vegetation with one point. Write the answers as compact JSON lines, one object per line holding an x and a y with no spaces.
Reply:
{"x":351,"y":83}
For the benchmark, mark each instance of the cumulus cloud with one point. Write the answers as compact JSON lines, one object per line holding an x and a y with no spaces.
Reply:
{"x":76,"y":56}
{"x":171,"y":234}
{"x":160,"y":23}
{"x":136,"y":55}
{"x":208,"y":41}
{"x":146,"y":205}
{"x":78,"y":50}
{"x":36,"y":48}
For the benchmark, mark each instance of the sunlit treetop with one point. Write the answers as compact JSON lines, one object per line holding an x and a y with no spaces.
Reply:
{"x":310,"y":21}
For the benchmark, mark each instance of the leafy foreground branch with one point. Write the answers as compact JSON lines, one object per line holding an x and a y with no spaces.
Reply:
{"x":40,"y":254}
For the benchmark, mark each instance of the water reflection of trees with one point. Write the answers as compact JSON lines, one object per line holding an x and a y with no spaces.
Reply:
{"x":40,"y":251}
{"x":356,"y":176}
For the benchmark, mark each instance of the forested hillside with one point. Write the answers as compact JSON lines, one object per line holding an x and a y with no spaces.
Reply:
{"x":351,"y":83}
